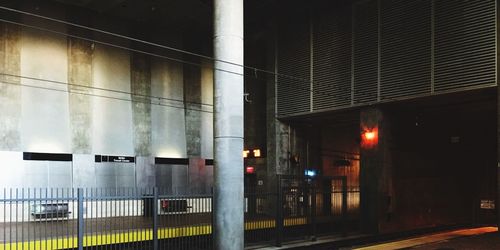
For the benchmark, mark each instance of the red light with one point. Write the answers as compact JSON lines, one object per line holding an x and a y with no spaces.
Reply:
{"x":369,"y":138}
{"x":249,"y":170}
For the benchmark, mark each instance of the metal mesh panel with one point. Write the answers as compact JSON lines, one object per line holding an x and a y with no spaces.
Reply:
{"x":389,"y":49}
{"x":294,"y":60}
{"x":465,"y":44}
{"x":405,"y":45}
{"x":365,"y":51}
{"x":332,"y":59}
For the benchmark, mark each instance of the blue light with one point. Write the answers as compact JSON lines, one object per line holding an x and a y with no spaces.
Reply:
{"x":310,"y":173}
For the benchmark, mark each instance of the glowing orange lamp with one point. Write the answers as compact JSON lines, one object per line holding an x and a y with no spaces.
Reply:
{"x":369,"y":138}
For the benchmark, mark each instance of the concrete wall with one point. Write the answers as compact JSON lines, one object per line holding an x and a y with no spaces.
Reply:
{"x":64,"y":95}
{"x":444,"y":164}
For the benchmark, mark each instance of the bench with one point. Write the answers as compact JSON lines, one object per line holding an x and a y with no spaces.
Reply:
{"x":169,"y":206}
{"x":50,"y":210}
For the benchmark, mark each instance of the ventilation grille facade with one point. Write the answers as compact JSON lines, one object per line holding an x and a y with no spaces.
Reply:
{"x":331,"y":60}
{"x":365,"y":52}
{"x":465,"y":44}
{"x":384,"y":50}
{"x":405,"y":48}
{"x":293,"y":59}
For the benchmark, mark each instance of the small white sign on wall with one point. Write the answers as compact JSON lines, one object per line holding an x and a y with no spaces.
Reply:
{"x":487,"y":204}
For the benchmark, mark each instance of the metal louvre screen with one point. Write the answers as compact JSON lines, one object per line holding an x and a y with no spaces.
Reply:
{"x":365,"y":51}
{"x":465,"y":44}
{"x":384,"y":50}
{"x":294,"y":93}
{"x":405,"y":46}
{"x":332,"y":59}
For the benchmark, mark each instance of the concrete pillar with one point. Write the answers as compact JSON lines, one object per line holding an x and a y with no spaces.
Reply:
{"x":80,"y":105}
{"x":228,"y":124}
{"x":376,"y":196}
{"x":277,"y":137}
{"x":10,"y":92}
{"x":140,"y":80}
{"x":192,"y":104}
{"x":278,"y":146}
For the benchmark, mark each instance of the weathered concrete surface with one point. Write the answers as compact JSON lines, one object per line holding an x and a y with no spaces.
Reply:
{"x":112,"y":118}
{"x":172,"y":179}
{"x":145,"y":171}
{"x":84,"y":170}
{"x":141,"y":103}
{"x":277,"y":135}
{"x":278,"y":148}
{"x":10,"y":92}
{"x":45,"y":122}
{"x":192,"y":104}
{"x":207,"y":118}
{"x":167,"y":118}
{"x":228,"y":125}
{"x":375,"y":178}
{"x":197,"y":172}
{"x":80,"y":82}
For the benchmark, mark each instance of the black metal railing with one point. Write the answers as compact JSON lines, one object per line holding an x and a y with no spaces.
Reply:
{"x":151,"y":218}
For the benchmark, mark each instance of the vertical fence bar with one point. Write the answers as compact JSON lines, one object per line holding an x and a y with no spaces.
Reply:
{"x":17,"y":216}
{"x":22,"y":218}
{"x":47,"y":225}
{"x":279,"y":214}
{"x":81,"y":225}
{"x":4,"y":216}
{"x":10,"y":217}
{"x":155,"y":218}
{"x":344,"y":205}
{"x":313,"y":212}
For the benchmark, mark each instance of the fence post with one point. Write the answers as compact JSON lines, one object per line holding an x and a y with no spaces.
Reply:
{"x":81,"y":226}
{"x":313,"y":211}
{"x":279,"y":213}
{"x":155,"y":218}
{"x":344,"y":205}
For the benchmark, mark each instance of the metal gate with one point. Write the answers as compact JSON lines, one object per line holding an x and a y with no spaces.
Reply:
{"x":311,"y":206}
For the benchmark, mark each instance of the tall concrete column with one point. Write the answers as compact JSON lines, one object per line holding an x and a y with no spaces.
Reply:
{"x":10,"y":91}
{"x":228,"y":124}
{"x":375,"y":178}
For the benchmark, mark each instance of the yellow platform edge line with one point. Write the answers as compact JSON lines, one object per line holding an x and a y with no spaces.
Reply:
{"x":136,"y":236}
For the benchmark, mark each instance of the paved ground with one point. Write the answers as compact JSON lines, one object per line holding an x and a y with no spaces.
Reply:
{"x":486,"y":241}
{"x":473,"y":238}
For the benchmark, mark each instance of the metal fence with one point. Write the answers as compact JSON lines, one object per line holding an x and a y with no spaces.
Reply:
{"x":135,"y":218}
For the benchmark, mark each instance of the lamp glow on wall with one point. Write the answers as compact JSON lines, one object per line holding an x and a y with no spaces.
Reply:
{"x":369,"y":137}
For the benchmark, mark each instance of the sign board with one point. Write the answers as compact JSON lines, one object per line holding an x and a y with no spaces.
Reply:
{"x":110,"y":158}
{"x":487,"y":204}
{"x":124,"y":159}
